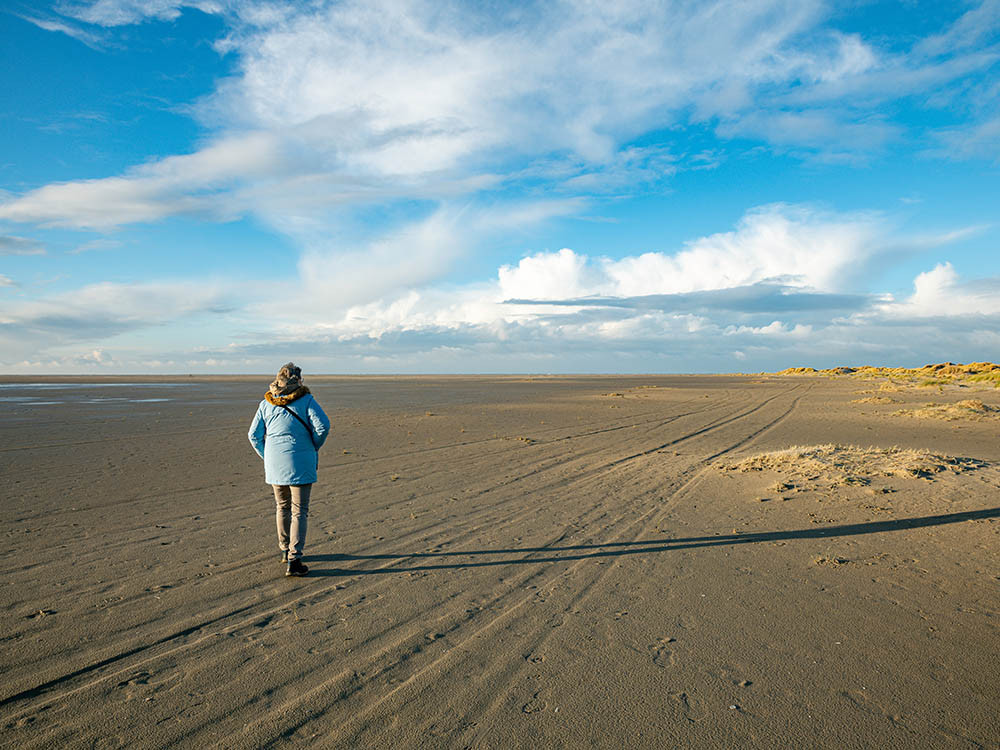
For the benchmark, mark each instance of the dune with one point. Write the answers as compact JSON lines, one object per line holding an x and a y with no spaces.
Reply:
{"x":944,"y":373}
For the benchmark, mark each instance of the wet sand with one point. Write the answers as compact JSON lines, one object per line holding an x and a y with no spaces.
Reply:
{"x":499,"y":562}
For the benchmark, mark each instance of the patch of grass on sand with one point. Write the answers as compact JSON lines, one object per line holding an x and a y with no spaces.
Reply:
{"x":875,"y":400}
{"x":890,"y":386}
{"x":849,"y":464}
{"x":971,"y":408}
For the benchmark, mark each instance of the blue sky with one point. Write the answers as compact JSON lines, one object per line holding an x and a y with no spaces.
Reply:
{"x":402,"y":186}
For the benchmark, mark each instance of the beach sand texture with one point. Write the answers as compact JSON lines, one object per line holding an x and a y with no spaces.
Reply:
{"x":504,"y":562}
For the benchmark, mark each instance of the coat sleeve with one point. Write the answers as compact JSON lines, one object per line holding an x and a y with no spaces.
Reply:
{"x":320,"y":423}
{"x":257,"y":432}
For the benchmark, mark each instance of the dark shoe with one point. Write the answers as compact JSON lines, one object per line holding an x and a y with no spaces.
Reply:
{"x":296,"y":568}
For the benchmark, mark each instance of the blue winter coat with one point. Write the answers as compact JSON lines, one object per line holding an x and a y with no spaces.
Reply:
{"x":289,"y":453}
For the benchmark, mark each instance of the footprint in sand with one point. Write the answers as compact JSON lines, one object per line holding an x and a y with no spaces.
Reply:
{"x":136,"y":686}
{"x":663,"y":655}
{"x":148,"y":684}
{"x":24,"y":721}
{"x":535,"y":705}
{"x":139,"y":678}
{"x":691,"y":707}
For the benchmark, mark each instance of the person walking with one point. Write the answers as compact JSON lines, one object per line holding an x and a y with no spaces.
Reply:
{"x":287,"y":432}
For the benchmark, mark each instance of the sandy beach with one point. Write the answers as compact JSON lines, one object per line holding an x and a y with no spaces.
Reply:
{"x":505,"y":562}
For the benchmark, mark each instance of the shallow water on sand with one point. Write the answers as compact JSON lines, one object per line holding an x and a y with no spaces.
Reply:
{"x":55,"y":394}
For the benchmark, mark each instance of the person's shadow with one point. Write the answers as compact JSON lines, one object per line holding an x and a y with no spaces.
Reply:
{"x":529,"y":556}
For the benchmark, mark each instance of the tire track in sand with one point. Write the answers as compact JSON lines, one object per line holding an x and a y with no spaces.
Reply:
{"x":346,"y":737}
{"x":253,"y":617}
{"x":45,"y":688}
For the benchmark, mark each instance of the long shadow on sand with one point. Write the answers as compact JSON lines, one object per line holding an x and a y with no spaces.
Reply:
{"x":616,"y":549}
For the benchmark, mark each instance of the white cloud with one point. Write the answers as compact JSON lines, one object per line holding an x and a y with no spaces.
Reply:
{"x":91,"y":40}
{"x":941,"y":293}
{"x":824,"y":130}
{"x":852,"y":58}
{"x":932,"y":289}
{"x":10,"y":245}
{"x":124,"y":12}
{"x":6,"y":281}
{"x":363,"y":102}
{"x":187,"y":184}
{"x":822,"y":250}
{"x":774,"y":328}
{"x":335,"y":106}
{"x":410,"y":257}
{"x":546,"y":276}
{"x":981,"y":140}
{"x":796,"y":247}
{"x":334,"y":276}
{"x":768,"y":289}
{"x":387,"y":287}
{"x":800,"y":245}
{"x":976,"y":24}
{"x":98,"y":244}
{"x":97,"y":312}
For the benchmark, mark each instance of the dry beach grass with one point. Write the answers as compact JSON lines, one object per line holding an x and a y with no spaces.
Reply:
{"x":697,"y":561}
{"x":970,"y":408}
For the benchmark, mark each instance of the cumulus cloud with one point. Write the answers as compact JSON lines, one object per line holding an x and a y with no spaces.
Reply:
{"x":734,"y":287}
{"x":803,"y":246}
{"x":546,"y":276}
{"x":796,"y":262}
{"x":6,"y":281}
{"x":941,"y":293}
{"x":776,"y":288}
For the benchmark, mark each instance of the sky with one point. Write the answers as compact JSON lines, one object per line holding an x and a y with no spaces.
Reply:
{"x":399,"y":186}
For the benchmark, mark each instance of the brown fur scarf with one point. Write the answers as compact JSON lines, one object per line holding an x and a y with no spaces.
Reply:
{"x":286,"y":398}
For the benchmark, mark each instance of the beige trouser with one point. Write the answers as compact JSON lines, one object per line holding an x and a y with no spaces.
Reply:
{"x":292,"y":501}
